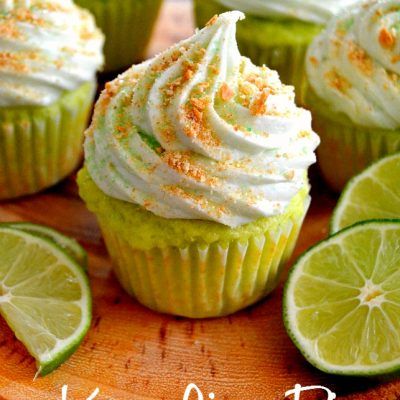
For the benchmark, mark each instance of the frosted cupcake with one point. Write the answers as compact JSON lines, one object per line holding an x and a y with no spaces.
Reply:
{"x":353,"y":68}
{"x":277,"y":33}
{"x":196,"y":167}
{"x":128,"y":25}
{"x":49,"y":55}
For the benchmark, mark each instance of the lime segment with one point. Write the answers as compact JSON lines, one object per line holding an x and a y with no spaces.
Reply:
{"x":44,"y":296}
{"x":342,"y":301}
{"x":69,"y":245}
{"x":374,"y":194}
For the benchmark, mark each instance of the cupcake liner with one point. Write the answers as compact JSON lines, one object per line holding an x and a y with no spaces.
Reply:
{"x":205,"y":280}
{"x":39,"y":146}
{"x":347,"y":149}
{"x":281,"y":45}
{"x":127,"y":25}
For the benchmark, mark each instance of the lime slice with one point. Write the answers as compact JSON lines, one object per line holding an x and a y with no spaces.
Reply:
{"x":342,"y":301}
{"x":374,"y":194}
{"x":69,"y":245}
{"x":44,"y":297}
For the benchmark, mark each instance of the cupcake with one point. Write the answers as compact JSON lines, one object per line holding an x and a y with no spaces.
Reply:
{"x":277,"y":33}
{"x":49,"y":55}
{"x":196,"y":168}
{"x":353,"y":69}
{"x":128,"y":25}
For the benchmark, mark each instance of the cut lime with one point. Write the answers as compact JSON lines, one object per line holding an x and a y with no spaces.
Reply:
{"x":44,"y":296}
{"x":69,"y":245}
{"x":374,"y":194}
{"x":342,"y":301}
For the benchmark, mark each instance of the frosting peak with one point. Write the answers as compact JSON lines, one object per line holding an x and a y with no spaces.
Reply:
{"x":199,"y":132}
{"x":46,"y":48}
{"x":355,"y":63}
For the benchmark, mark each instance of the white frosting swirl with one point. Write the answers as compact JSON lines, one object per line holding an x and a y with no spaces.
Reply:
{"x":315,"y":11}
{"x":199,"y":132}
{"x":46,"y":47}
{"x":354,"y":64}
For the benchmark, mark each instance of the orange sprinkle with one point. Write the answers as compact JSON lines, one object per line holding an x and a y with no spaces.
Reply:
{"x":147,"y":203}
{"x":198,"y":200}
{"x":187,"y":74}
{"x":225,"y":92}
{"x":361,"y":60}
{"x":86,"y":34}
{"x":181,"y":162}
{"x":11,"y":61}
{"x":200,"y":104}
{"x":314,"y":61}
{"x":8,"y":29}
{"x":395,"y":59}
{"x":337,"y":81}
{"x":196,"y":127}
{"x":122,"y":132}
{"x":203,"y":86}
{"x":214,"y":69}
{"x":304,"y":134}
{"x":387,"y":39}
{"x":168,"y":135}
{"x":212,"y":21}
{"x":289,"y":175}
{"x":258,"y":81}
{"x":25,"y":15}
{"x":258,"y":107}
{"x":110,"y":89}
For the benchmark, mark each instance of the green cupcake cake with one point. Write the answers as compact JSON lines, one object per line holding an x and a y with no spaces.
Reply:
{"x":277,"y":33}
{"x":353,"y":69}
{"x":196,"y":168}
{"x":49,"y":55}
{"x":127,"y":25}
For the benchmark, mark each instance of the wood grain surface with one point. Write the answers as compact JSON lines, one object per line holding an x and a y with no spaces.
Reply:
{"x":134,"y":353}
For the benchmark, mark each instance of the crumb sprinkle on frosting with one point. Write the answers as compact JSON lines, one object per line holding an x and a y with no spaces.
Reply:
{"x":355,"y":63}
{"x":190,"y":135}
{"x":47,"y":66}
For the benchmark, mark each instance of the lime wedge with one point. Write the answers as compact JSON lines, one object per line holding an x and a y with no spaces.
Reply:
{"x":374,"y":194}
{"x":69,"y":245}
{"x":342,"y":301}
{"x":44,"y":297}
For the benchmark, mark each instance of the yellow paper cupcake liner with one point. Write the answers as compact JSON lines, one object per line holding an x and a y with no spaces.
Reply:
{"x":205,"y":280}
{"x":39,"y":146}
{"x":127,"y":25}
{"x":347,"y":149}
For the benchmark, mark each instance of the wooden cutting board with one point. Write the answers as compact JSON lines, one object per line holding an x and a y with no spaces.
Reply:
{"x":134,"y":353}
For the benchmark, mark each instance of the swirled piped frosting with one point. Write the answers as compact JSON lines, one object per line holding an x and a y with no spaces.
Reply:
{"x":314,"y":11}
{"x":199,"y":132}
{"x":47,"y":47}
{"x":354,"y":65}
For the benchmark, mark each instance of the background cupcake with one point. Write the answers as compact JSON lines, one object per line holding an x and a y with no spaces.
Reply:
{"x":127,"y":25}
{"x":353,"y":68}
{"x":196,"y":167}
{"x":49,"y":55}
{"x":277,"y":33}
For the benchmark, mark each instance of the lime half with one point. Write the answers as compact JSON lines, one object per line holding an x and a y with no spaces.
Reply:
{"x":374,"y":194}
{"x":44,"y":296}
{"x":69,"y":245}
{"x":342,"y":301}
